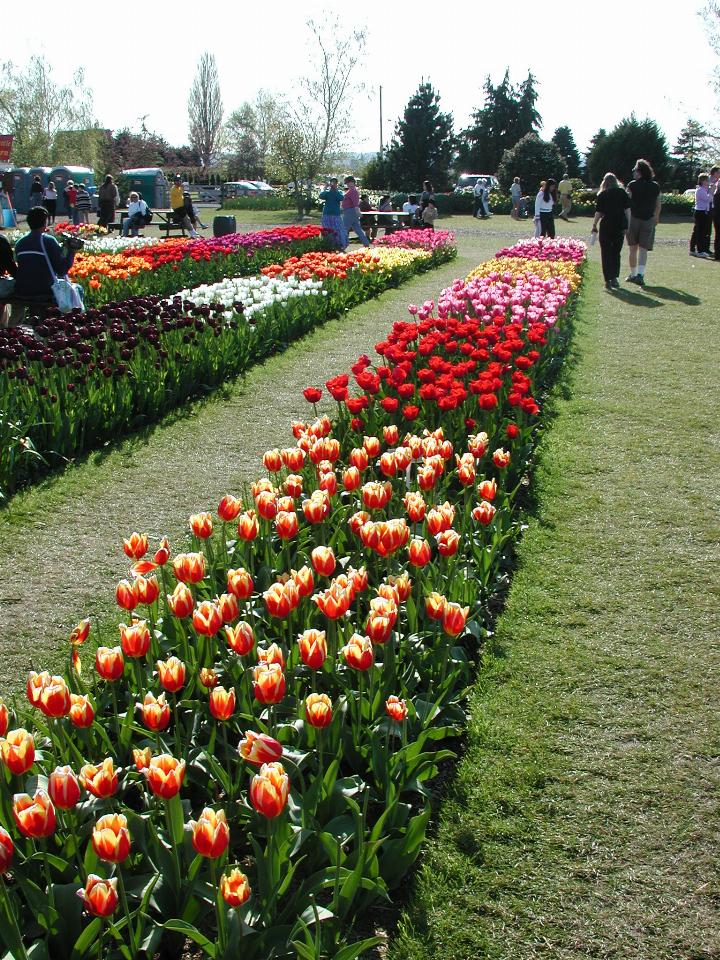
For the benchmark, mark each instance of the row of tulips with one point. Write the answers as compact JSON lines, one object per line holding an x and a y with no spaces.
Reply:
{"x":164,"y":268}
{"x":82,"y":378}
{"x":248,"y":766}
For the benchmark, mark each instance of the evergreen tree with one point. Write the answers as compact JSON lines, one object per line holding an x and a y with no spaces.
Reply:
{"x":508,"y":114}
{"x":691,"y":151}
{"x":565,"y":142}
{"x":422,"y":145}
{"x":630,"y":140}
{"x":531,"y":159}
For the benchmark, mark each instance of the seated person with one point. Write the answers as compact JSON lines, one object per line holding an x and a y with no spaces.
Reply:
{"x":137,"y":208}
{"x":368,"y":223}
{"x":411,"y":206}
{"x":192,"y":211}
{"x":385,"y":206}
{"x":8,"y":267}
{"x":34,"y":279}
{"x":429,"y":215}
{"x":177,"y":203}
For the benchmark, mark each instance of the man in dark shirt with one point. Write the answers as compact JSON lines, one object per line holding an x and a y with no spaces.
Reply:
{"x":644,"y":216}
{"x":34,"y":278}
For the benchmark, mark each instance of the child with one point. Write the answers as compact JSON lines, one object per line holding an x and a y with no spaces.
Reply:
{"x":700,"y":237}
{"x":429,"y":215}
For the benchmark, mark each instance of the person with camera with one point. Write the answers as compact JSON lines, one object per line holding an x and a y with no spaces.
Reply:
{"x":34,"y":278}
{"x":137,"y":211}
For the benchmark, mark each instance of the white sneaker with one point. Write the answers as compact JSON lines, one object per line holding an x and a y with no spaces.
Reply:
{"x":705,"y":256}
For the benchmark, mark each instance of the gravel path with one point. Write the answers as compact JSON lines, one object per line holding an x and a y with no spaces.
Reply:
{"x":60,"y":542}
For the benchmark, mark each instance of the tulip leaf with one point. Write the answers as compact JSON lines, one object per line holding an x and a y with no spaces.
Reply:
{"x":176,"y":819}
{"x":353,"y":950}
{"x":86,"y":939}
{"x":192,"y":933}
{"x":57,"y":863}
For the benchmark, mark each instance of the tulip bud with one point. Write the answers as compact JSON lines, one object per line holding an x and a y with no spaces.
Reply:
{"x":235,"y":888}
{"x":201,"y":525}
{"x":269,"y":683}
{"x":80,"y":633}
{"x":82,"y":713}
{"x":99,"y":896}
{"x":210,"y":833}
{"x":34,"y":816}
{"x":63,"y":787}
{"x":181,"y":601}
{"x":165,"y":775}
{"x":111,"y":838}
{"x":269,"y":790}
{"x":396,"y":709}
{"x":101,"y":781}
{"x":17,"y":750}
{"x":171,"y":673}
{"x":222,"y":703}
{"x":240,"y":583}
{"x":109,"y":663}
{"x":318,"y":710}
{"x":313,"y":648}
{"x":259,"y":748}
{"x":229,"y":508}
{"x":323,"y":560}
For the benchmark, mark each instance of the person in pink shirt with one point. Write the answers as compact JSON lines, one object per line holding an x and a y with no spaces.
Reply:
{"x":351,"y":211}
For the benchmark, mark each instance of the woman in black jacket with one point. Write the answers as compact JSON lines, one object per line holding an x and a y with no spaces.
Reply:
{"x":611,"y":213}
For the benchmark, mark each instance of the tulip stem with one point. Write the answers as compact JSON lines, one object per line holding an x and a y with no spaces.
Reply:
{"x":219,"y":906}
{"x":126,"y":908}
{"x":70,"y":824}
{"x":10,"y":913}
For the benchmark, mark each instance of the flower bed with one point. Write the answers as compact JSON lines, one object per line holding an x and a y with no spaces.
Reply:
{"x":96,"y":375}
{"x":166,"y":267}
{"x":422,"y":239}
{"x":248,"y":767}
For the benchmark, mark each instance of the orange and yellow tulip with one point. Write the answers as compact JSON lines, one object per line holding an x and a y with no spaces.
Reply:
{"x":259,"y":748}
{"x":269,"y":790}
{"x":171,"y":673}
{"x":111,"y":838}
{"x":234,"y":888}
{"x":269,"y":683}
{"x":318,"y":710}
{"x":313,"y":648}
{"x":109,"y":663}
{"x":99,"y":896}
{"x":222,"y":703}
{"x":210,"y":833}
{"x":165,"y":775}
{"x":34,"y":816}
{"x":17,"y":750}
{"x":100,"y":780}
{"x":64,"y":788}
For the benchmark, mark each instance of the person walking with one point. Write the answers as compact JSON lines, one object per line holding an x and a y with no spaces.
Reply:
{"x":331,"y":219}
{"x":516,"y":197}
{"x":36,"y":192}
{"x":544,"y":204}
{"x":108,"y":201}
{"x":351,"y":212}
{"x":50,"y":196}
{"x":610,"y":214}
{"x":702,"y":228}
{"x":478,"y":196}
{"x":70,"y":194}
{"x":83,"y":204}
{"x":645,"y":207}
{"x":565,"y":193}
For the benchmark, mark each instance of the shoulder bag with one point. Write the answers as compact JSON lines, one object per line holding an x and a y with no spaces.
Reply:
{"x":68,"y":295}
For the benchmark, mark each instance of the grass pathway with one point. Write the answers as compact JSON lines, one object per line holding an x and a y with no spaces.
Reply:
{"x":60,"y":541}
{"x":584,"y":818}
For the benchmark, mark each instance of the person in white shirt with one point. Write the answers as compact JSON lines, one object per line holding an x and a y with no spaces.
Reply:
{"x":544,"y":204}
{"x":411,"y":206}
{"x":50,"y":196}
{"x":137,"y":209}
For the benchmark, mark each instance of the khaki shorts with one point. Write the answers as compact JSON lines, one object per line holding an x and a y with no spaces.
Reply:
{"x":641,"y":233}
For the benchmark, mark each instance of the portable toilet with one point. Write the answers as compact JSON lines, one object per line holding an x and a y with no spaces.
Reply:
{"x":20,"y":188}
{"x":151,"y":183}
{"x":61,"y":175}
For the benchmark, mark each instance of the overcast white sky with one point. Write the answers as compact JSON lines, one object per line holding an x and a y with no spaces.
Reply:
{"x":595,"y":63}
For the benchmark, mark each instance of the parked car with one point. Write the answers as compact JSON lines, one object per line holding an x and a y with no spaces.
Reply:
{"x":239,"y":188}
{"x":262,"y":186}
{"x":466,"y":182}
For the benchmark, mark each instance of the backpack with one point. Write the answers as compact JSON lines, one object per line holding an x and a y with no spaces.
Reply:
{"x":147,"y":216}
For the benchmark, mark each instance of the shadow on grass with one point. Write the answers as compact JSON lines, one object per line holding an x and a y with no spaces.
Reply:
{"x":679,"y":296}
{"x":635,"y":299}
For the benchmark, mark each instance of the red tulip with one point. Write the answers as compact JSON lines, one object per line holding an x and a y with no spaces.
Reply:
{"x":272,"y":461}
{"x":80,"y":633}
{"x":317,"y":507}
{"x":181,"y":601}
{"x":312,"y":394}
{"x":358,"y":652}
{"x":235,"y":888}
{"x":259,"y":748}
{"x":135,"y":639}
{"x":229,"y":507}
{"x":101,"y":781}
{"x":448,"y":542}
{"x":82,"y":712}
{"x":100,"y":896}
{"x":396,"y":709}
{"x":269,"y":683}
{"x":4,"y":719}
{"x":142,"y":758}
{"x":147,"y":590}
{"x":201,"y":525}
{"x":165,"y":775}
{"x":240,"y":583}
{"x":454,"y":618}
{"x":109,"y":663}
{"x":318,"y":710}
{"x":34,"y":816}
{"x":171,"y":673}
{"x":17,"y":750}
{"x":419,"y":553}
{"x":286,"y":524}
{"x":63,"y":787}
{"x":55,"y":698}
{"x":136,"y":546}
{"x":7,"y":849}
{"x":323,"y":560}
{"x":248,"y":527}
{"x":189,"y":567}
{"x":487,"y":489}
{"x":126,"y":595}
{"x":240,"y":638}
{"x":210,"y":833}
{"x":484,"y":513}
{"x":501,"y":458}
{"x":111,"y":838}
{"x":269,"y":790}
{"x":207,"y":618}
{"x":435,"y":606}
{"x":162,"y":554}
{"x":313,"y":648}
{"x":304,"y":580}
{"x":222,"y":703}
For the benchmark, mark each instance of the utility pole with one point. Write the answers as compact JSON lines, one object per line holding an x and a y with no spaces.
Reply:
{"x":381,"y":123}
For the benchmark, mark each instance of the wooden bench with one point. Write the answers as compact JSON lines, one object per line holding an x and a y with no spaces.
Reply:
{"x":167,"y":224}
